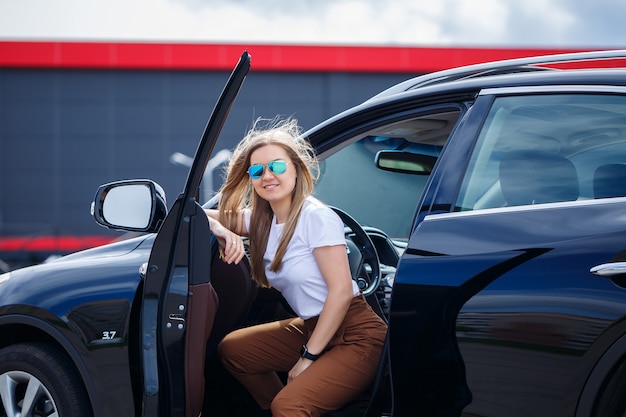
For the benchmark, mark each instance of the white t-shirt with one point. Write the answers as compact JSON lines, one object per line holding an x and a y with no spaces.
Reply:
{"x":300,"y":280}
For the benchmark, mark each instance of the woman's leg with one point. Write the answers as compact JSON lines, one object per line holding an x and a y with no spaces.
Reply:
{"x":342,"y":373}
{"x":254,"y":354}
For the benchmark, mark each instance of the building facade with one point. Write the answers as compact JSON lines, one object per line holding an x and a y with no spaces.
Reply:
{"x":76,"y":115}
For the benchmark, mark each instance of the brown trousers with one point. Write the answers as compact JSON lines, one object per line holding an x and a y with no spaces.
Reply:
{"x":255,"y":354}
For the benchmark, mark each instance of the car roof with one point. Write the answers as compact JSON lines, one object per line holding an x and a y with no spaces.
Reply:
{"x":485,"y":71}
{"x":467,"y":81}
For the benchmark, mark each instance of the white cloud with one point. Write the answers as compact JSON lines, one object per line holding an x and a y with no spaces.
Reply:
{"x":554,"y":23}
{"x":480,"y":22}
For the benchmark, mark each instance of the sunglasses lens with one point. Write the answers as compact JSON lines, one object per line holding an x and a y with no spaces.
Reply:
{"x":277,"y":167}
{"x":256,"y":171}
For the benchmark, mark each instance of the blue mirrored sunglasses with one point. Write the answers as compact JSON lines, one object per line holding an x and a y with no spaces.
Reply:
{"x":276,"y":167}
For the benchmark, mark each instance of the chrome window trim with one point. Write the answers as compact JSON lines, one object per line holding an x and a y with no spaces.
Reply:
{"x":553,"y":89}
{"x":547,"y":206}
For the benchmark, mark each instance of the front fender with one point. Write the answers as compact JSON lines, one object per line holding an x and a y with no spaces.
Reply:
{"x":86,"y":306}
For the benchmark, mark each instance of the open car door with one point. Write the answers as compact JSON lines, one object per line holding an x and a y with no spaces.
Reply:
{"x":179,"y":302}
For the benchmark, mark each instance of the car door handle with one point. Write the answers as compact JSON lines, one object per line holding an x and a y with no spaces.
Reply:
{"x":609,"y":270}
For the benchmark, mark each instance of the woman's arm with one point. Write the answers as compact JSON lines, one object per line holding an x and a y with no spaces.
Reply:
{"x":241,"y":229}
{"x":230,"y":242}
{"x":333,"y":264}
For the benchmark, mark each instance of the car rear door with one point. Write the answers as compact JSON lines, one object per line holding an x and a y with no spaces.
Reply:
{"x":495,"y":310}
{"x":179,"y":302}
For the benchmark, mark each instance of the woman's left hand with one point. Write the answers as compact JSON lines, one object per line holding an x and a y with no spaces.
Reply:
{"x":298,"y":368}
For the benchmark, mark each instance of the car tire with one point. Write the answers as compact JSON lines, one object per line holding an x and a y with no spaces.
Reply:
{"x":612,"y":401}
{"x":45,"y":372}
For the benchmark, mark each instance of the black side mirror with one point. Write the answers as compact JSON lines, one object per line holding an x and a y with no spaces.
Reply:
{"x":134,"y":205}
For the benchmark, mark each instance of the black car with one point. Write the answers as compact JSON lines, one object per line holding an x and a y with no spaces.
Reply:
{"x":485,"y":211}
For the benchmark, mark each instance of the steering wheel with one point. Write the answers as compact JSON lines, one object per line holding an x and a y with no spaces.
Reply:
{"x":361,"y":253}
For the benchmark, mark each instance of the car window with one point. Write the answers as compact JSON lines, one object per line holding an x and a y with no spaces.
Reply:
{"x":384,"y":199}
{"x":540,"y":149}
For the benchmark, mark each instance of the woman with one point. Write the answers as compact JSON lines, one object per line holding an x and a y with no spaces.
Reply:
{"x":330,"y":352}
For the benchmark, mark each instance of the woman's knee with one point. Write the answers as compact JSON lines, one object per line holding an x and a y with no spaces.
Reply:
{"x":227,"y":350}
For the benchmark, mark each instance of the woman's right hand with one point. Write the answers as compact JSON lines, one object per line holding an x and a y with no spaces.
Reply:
{"x":298,"y":368}
{"x":231,"y":245}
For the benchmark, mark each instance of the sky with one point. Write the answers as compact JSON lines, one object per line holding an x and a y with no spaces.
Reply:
{"x":519,"y":23}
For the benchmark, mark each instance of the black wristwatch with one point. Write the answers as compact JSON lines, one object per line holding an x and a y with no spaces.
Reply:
{"x":304,"y":353}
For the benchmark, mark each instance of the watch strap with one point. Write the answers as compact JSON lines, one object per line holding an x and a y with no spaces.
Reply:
{"x":304,"y":353}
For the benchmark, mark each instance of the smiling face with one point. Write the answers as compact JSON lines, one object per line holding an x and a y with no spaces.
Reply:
{"x":277,"y":189}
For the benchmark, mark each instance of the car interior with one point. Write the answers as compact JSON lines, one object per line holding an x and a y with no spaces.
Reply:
{"x":243,"y":303}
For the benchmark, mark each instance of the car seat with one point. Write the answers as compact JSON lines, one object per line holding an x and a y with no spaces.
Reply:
{"x":610,"y":181}
{"x":535,"y":177}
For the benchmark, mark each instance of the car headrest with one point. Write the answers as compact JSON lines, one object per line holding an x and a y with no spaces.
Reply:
{"x":534,"y":177}
{"x":610,"y":181}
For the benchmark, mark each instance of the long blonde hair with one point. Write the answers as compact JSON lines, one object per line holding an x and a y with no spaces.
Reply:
{"x":238,"y":193}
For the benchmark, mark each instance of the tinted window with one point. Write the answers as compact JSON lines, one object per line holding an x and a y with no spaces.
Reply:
{"x":548,"y":148}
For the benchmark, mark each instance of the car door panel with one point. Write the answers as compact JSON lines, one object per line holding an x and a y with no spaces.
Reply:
{"x":511,"y":309}
{"x":179,"y":303}
{"x":202,"y":308}
{"x":529,"y":331}
{"x":428,"y":371}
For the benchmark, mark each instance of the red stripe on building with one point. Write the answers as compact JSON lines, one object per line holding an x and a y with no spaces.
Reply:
{"x":51,"y":243}
{"x":178,"y":56}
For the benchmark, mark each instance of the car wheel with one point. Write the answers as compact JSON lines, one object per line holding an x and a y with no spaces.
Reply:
{"x":612,"y":402}
{"x":38,"y":380}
